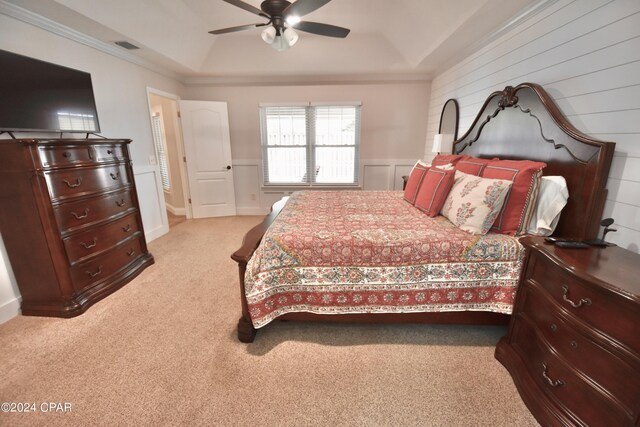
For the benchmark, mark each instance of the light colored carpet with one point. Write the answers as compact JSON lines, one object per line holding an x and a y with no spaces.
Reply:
{"x":162,"y":351}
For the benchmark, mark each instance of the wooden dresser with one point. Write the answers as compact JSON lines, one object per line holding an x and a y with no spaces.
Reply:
{"x":70,"y":221}
{"x":573,"y":346}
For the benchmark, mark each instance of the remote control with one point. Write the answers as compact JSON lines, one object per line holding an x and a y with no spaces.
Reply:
{"x":572,"y":245}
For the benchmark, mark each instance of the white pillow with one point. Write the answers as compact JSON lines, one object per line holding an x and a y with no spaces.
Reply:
{"x":552,"y":198}
{"x":446,"y":166}
{"x":474,"y":202}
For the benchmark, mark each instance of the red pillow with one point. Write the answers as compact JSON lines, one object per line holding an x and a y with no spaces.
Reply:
{"x":472,"y":165}
{"x":521,"y":199}
{"x":414,"y":181}
{"x":434,"y":190}
{"x":443,"y":159}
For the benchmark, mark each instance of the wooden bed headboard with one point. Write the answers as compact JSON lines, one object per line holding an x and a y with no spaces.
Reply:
{"x":523,"y":122}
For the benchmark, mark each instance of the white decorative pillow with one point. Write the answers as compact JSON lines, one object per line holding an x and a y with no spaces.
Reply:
{"x":552,"y":198}
{"x":474,"y":202}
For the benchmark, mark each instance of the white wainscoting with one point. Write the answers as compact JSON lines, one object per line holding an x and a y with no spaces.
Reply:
{"x":253,"y":199}
{"x":586,"y":54}
{"x":151,"y":198}
{"x":9,"y":292}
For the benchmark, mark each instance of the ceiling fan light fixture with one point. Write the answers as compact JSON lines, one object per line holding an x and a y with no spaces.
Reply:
{"x":290,"y":36}
{"x":269,"y":35}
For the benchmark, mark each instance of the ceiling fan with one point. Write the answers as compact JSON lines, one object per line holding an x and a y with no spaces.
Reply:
{"x":283,"y":17}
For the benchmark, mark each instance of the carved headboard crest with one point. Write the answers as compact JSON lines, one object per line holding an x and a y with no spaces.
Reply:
{"x":509,"y":98}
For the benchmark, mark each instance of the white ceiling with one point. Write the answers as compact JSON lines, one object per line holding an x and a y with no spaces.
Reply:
{"x":406,"y":39}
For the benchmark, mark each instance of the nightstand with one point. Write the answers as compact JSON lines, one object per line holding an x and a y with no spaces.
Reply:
{"x":573,"y":346}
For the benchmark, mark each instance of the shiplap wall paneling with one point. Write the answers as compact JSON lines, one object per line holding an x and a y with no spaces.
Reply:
{"x":586,"y":54}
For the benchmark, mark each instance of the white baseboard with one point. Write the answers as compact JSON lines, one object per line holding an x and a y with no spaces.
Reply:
{"x":176,"y":211}
{"x":251,"y":211}
{"x":154,"y":234}
{"x":10,"y":309}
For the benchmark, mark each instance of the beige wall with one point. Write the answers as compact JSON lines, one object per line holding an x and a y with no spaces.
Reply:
{"x":394,"y":123}
{"x":394,"y":115}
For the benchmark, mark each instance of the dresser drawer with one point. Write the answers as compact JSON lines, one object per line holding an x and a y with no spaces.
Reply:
{"x":553,"y":378}
{"x":66,"y":183}
{"x":57,"y":156}
{"x":65,"y":155}
{"x":99,"y":239}
{"x":586,"y":303}
{"x":109,"y":153}
{"x":589,"y":356}
{"x":90,"y":273}
{"x":72,"y":215}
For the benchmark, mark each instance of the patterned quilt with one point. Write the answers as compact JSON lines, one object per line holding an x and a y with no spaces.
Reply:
{"x":334,"y":252}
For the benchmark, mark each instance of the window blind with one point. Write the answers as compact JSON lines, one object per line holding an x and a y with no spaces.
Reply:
{"x":159,"y":142}
{"x":311,"y":144}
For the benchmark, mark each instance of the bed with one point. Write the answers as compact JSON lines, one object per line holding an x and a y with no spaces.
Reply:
{"x":364,"y":256}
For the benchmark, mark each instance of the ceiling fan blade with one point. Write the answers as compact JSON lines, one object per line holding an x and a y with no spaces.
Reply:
{"x":247,"y":7}
{"x":322,"y":29}
{"x":303,"y":7}
{"x":238,"y":28}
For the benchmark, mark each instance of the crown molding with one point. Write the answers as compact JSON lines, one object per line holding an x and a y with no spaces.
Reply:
{"x":51,"y":26}
{"x":307,"y":80}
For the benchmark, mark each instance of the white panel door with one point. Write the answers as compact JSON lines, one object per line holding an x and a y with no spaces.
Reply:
{"x":205,"y":128}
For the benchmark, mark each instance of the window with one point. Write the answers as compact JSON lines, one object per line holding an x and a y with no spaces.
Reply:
{"x":159,"y":141}
{"x":310,"y":144}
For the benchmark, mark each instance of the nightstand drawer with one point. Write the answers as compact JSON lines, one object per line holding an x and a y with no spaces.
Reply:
{"x":90,"y":273}
{"x":99,"y":239}
{"x":587,"y":304}
{"x":82,"y":181}
{"x":584,"y":353}
{"x":563,"y":386}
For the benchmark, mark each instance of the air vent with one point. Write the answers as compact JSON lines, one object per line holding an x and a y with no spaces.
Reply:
{"x":127,"y":45}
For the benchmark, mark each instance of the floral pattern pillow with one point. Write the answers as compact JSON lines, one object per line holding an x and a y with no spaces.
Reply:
{"x":474,"y":202}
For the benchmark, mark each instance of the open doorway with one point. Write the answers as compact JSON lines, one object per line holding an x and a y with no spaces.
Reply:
{"x":167,"y":136}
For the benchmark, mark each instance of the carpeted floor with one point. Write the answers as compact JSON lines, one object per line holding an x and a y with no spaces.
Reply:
{"x":162,"y":351}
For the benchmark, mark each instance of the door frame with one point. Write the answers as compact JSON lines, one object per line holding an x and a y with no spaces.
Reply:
{"x":179,"y":144}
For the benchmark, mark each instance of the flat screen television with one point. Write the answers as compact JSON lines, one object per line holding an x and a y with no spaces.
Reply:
{"x":40,"y":96}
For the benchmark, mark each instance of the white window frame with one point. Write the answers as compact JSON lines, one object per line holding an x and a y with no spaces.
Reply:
{"x":310,"y":109}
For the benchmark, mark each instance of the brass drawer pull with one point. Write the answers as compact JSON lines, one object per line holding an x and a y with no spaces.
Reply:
{"x":115,"y":176}
{"x":127,"y":228}
{"x":120,"y":203}
{"x":565,"y":296}
{"x":89,"y":245}
{"x":80,"y":216}
{"x":552,"y":383}
{"x":573,"y":344}
{"x":131,"y":252}
{"x":554,"y":327}
{"x":109,"y":151}
{"x":96,"y":273}
{"x":66,"y":154}
{"x":70,"y":185}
